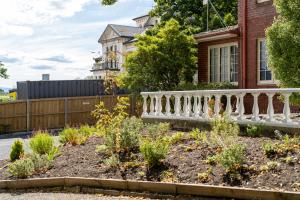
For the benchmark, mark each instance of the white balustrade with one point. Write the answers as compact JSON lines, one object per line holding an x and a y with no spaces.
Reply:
{"x":195,"y":106}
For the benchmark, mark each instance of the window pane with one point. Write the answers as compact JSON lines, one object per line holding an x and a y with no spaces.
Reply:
{"x":224,"y":64}
{"x":233,"y":64}
{"x":265,"y":73}
{"x":214,"y":65}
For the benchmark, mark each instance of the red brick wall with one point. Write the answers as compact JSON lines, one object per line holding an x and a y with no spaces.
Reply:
{"x":203,"y":57}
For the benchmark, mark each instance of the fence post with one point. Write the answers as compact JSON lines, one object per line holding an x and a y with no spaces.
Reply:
{"x":28,"y":115}
{"x":66,"y":112}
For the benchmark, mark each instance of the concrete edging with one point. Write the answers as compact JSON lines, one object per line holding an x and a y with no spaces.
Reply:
{"x":155,"y":187}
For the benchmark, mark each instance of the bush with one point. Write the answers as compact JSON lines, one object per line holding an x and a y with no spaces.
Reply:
{"x":224,"y":133}
{"x":130,"y":133}
{"x":196,"y":134}
{"x":112,"y":161}
{"x":21,"y":168}
{"x":270,"y":149}
{"x":157,"y":130}
{"x":154,"y":151}
{"x":254,"y":131}
{"x":73,"y":136}
{"x":41,"y":143}
{"x":232,"y":157}
{"x":17,"y":150}
{"x":87,"y":131}
{"x":41,"y":163}
{"x":177,"y":137}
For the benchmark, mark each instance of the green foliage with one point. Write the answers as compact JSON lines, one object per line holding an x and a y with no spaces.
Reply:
{"x":177,"y":137}
{"x":3,"y":71}
{"x":76,"y":136}
{"x":205,"y":176}
{"x":254,"y":131}
{"x":41,"y":143}
{"x":41,"y":163}
{"x":205,"y":86}
{"x":161,"y":61}
{"x":157,"y":130}
{"x":17,"y":150}
{"x":154,"y":151}
{"x":130,"y":132}
{"x":108,"y":2}
{"x":283,"y":44}
{"x":269,"y":149}
{"x":212,"y":160}
{"x":21,"y":168}
{"x":198,"y":135}
{"x":232,"y":157}
{"x":191,"y":14}
{"x":270,"y":166}
{"x":112,"y":161}
{"x":224,"y":133}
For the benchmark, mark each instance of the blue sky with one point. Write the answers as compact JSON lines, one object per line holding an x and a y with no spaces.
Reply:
{"x":57,"y":36}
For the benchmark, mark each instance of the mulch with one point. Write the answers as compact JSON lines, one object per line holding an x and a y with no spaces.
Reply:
{"x":183,"y":163}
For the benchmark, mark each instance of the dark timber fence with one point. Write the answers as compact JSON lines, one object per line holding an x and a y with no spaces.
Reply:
{"x":53,"y":113}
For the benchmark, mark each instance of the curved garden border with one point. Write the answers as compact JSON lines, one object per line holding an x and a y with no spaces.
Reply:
{"x":143,"y":186}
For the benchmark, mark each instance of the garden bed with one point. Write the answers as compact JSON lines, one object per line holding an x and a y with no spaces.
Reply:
{"x":184,"y":162}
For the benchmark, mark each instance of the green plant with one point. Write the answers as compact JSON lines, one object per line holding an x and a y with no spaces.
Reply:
{"x":289,"y":160}
{"x":157,"y":130}
{"x":212,"y":160}
{"x":72,"y":136}
{"x":41,"y":143}
{"x":224,"y":133}
{"x":130,"y":133}
{"x":204,"y":177}
{"x":112,"y":161}
{"x":21,"y":168}
{"x":269,"y":149}
{"x":232,"y":157}
{"x":154,"y":151}
{"x":177,"y":137}
{"x":198,"y":135}
{"x":270,"y":166}
{"x":254,"y":131}
{"x":87,"y":131}
{"x":41,"y":163}
{"x":168,"y":177}
{"x":17,"y":150}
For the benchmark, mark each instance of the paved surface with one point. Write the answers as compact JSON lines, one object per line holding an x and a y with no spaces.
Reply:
{"x":59,"y":196}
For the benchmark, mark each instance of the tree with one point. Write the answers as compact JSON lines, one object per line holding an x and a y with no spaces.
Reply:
{"x":108,"y":2}
{"x":3,"y":71}
{"x":192,"y":14}
{"x":283,"y":43}
{"x":161,"y":61}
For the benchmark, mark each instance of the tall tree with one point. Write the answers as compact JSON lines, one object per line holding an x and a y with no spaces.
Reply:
{"x":283,"y":43}
{"x":161,"y":61}
{"x":3,"y":71}
{"x":108,"y":2}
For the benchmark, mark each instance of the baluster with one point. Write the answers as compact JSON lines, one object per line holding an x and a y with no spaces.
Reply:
{"x":255,"y":109}
{"x":195,"y":106}
{"x":205,"y":107}
{"x":188,"y":105}
{"x":168,"y":108}
{"x":177,"y":106}
{"x":156,"y":105}
{"x":286,"y":109}
{"x":145,"y":107}
{"x":228,"y":106}
{"x":217,"y":105}
{"x":159,"y":105}
{"x":237,"y":105}
{"x":199,"y":108}
{"x":152,"y":105}
{"x":270,"y":107}
{"x":241,"y":107}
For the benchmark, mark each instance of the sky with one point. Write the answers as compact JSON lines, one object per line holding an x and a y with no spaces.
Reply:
{"x":57,"y":36}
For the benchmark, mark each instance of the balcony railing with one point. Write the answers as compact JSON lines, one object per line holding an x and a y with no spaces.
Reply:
{"x":106,"y":66}
{"x":206,"y":105}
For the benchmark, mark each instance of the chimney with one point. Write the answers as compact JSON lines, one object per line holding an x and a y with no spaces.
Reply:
{"x":45,"y":77}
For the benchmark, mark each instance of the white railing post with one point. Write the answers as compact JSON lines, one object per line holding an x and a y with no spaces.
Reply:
{"x":168,"y":107}
{"x":270,"y":107}
{"x":255,"y":109}
{"x":195,"y":106}
{"x":145,"y":106}
{"x":152,"y":105}
{"x":241,"y":111}
{"x":159,"y":105}
{"x":177,"y":105}
{"x":187,"y":100}
{"x":217,"y":105}
{"x":286,"y":109}
{"x":237,"y":104}
{"x":228,"y":106}
{"x":205,"y":107}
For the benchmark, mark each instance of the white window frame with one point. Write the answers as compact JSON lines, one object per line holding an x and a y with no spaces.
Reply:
{"x":262,"y":82}
{"x":219,"y":46}
{"x":262,"y":1}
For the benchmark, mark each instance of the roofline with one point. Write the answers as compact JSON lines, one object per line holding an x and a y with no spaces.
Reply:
{"x":140,"y":17}
{"x":223,"y":33}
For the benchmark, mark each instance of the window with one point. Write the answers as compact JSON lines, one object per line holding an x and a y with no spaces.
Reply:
{"x":223,"y":64}
{"x":264,"y":74}
{"x":261,"y":1}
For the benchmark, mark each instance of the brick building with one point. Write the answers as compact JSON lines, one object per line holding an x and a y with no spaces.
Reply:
{"x":237,"y":54}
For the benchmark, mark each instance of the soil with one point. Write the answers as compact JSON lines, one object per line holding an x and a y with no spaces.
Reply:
{"x":183,"y":164}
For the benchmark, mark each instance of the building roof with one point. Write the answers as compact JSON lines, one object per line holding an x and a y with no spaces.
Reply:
{"x":147,"y":15}
{"x":222,"y":33}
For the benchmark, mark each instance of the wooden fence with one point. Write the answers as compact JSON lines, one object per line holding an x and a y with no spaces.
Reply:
{"x":53,"y":113}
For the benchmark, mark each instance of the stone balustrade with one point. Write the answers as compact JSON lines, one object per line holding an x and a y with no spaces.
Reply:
{"x":206,"y":105}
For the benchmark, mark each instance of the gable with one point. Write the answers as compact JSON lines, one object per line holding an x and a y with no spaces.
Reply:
{"x":108,"y":33}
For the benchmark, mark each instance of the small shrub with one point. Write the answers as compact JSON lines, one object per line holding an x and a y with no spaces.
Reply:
{"x":130,"y":133}
{"x":232,"y":157}
{"x":158,"y":130}
{"x":289,"y":160}
{"x":270,"y":166}
{"x":254,"y":131}
{"x":224,"y":133}
{"x":212,"y":160}
{"x":17,"y":150}
{"x":21,"y":168}
{"x":41,"y":163}
{"x":112,"y":161}
{"x":179,"y":136}
{"x":87,"y":131}
{"x":269,"y":149}
{"x":101,"y":148}
{"x":41,"y":143}
{"x":203,"y":177}
{"x":72,"y":136}
{"x":196,"y":134}
{"x":154,"y":151}
{"x":168,"y":177}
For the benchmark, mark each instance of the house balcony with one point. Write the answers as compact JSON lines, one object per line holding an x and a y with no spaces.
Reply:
{"x":105,"y":66}
{"x":207,"y":105}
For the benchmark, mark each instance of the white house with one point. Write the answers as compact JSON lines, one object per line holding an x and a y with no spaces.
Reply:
{"x":117,"y":41}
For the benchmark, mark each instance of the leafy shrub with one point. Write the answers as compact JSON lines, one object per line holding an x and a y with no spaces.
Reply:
{"x":224,"y":133}
{"x":158,"y":130}
{"x":270,"y":149}
{"x":112,"y":161}
{"x":72,"y":136}
{"x":41,"y":163}
{"x":41,"y":143}
{"x":177,"y":137}
{"x":21,"y":168}
{"x":270,"y":166}
{"x":212,"y":160}
{"x":154,"y":151}
{"x":87,"y":131}
{"x":17,"y":150}
{"x":254,"y":131}
{"x":196,"y":134}
{"x":232,"y":157}
{"x":130,"y":133}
